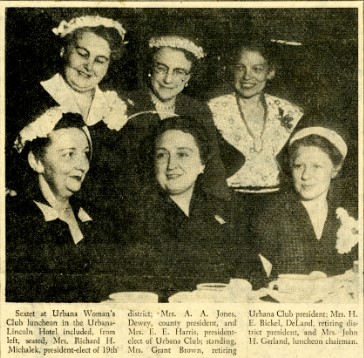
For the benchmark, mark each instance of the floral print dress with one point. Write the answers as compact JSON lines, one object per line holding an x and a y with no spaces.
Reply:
{"x":261,"y":169}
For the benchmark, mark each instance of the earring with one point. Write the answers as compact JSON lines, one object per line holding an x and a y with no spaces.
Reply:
{"x":186,"y":84}
{"x":149,"y":75}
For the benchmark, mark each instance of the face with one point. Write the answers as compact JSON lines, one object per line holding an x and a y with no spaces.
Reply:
{"x":87,"y":62}
{"x":177,"y":162}
{"x":65,"y":162}
{"x":251,"y":74}
{"x":171,"y":73}
{"x":312,"y":171}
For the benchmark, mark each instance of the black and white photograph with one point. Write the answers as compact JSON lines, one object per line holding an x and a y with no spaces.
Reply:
{"x":181,"y":155}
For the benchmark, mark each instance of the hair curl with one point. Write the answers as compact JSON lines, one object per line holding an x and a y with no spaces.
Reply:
{"x":317,"y":141}
{"x":266,"y":49}
{"x":109,"y":34}
{"x":187,"y":125}
{"x":68,"y":120}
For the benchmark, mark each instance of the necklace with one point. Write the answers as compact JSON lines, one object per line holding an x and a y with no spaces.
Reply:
{"x":163,"y":108}
{"x":257,"y":140}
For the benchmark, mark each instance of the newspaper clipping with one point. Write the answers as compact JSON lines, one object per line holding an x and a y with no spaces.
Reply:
{"x":182,"y":179}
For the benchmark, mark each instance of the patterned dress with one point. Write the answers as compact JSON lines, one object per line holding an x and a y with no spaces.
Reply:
{"x":261,"y":170}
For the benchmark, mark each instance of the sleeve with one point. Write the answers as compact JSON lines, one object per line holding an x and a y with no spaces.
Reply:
{"x":244,"y":255}
{"x":223,"y":156}
{"x":264,"y":231}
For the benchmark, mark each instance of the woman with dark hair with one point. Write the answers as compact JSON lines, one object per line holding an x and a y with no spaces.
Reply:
{"x":256,"y":123}
{"x":308,"y":229}
{"x":89,"y":45}
{"x":181,"y":235}
{"x":52,"y":237}
{"x":172,"y":62}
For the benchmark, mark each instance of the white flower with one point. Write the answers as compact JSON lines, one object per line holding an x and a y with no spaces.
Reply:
{"x":39,"y":128}
{"x":177,"y":42}
{"x":348,"y":233}
{"x":117,"y":116}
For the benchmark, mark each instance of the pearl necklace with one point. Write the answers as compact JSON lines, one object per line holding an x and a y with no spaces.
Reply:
{"x":163,"y":108}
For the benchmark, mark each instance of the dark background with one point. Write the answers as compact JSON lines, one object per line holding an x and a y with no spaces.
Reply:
{"x":321,"y":75}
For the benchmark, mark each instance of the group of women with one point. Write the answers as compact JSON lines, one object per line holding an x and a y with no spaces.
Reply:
{"x":155,"y":191}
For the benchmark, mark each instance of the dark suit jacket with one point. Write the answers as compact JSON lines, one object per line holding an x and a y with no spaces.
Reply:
{"x":170,"y":252}
{"x":43,"y":264}
{"x":286,"y":238}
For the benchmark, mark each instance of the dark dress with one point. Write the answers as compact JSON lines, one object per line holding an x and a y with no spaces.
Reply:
{"x":43,"y":264}
{"x":287,"y":239}
{"x":134,"y":134}
{"x":170,"y":252}
{"x":105,"y":165}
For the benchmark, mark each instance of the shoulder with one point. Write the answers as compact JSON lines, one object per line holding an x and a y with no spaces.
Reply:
{"x":23,"y":219}
{"x":85,"y":209}
{"x":222,"y":211}
{"x":276,"y":210}
{"x":222,"y":102}
{"x":113,"y":97}
{"x":138,"y":100}
{"x":283,"y":104}
{"x":338,"y":199}
{"x":188,"y":104}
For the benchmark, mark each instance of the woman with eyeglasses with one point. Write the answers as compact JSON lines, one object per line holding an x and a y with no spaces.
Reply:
{"x":172,"y":62}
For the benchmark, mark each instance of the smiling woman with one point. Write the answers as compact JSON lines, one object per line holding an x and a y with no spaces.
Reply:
{"x":86,"y":61}
{"x":172,"y":62}
{"x":180,"y":235}
{"x":89,"y":46}
{"x":178,"y":163}
{"x":307,"y":229}
{"x":256,"y":123}
{"x":51,"y":240}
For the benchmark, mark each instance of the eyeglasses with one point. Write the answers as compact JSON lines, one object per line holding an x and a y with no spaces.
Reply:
{"x":177,"y":73}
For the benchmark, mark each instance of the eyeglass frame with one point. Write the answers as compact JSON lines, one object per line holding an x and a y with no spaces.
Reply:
{"x":164,"y":70}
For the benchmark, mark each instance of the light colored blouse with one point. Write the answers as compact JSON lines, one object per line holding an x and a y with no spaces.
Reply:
{"x":106,"y":105}
{"x":261,"y":168}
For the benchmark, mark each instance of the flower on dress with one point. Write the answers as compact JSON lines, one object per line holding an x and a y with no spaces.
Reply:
{"x":348,"y":233}
{"x":117,"y":116}
{"x":286,"y":120}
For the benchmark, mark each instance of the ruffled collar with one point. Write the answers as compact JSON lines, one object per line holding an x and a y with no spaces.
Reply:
{"x":106,"y":106}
